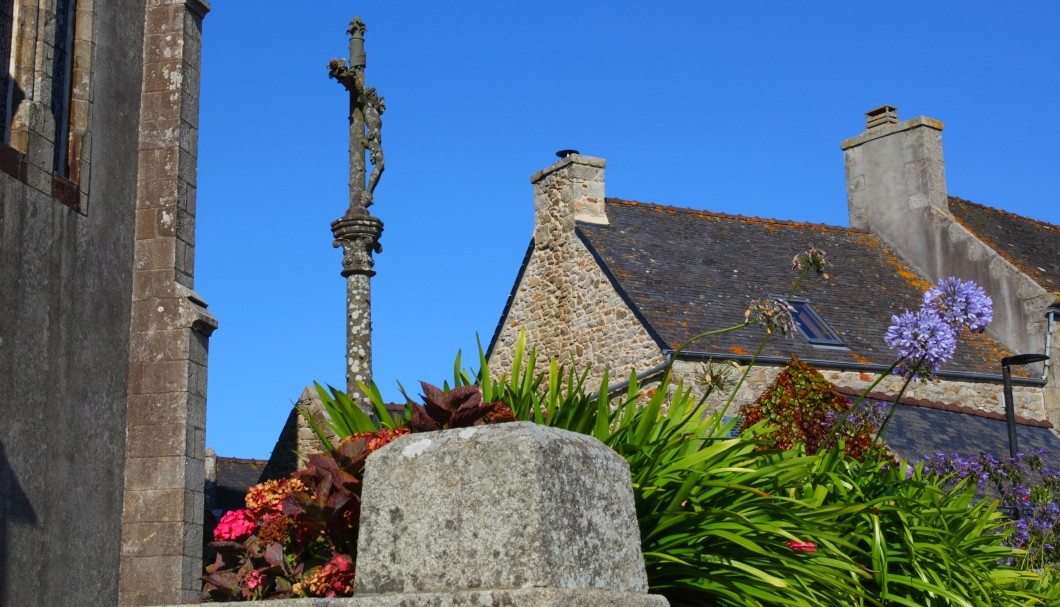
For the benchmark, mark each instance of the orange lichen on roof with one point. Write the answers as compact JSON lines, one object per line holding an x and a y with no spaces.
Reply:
{"x":859,"y":358}
{"x":1006,"y":213}
{"x":738,"y":350}
{"x":770,"y":224}
{"x":989,"y":349}
{"x":911,"y":277}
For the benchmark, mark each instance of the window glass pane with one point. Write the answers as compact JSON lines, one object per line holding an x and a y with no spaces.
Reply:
{"x":62,"y":66}
{"x":7,"y":28}
{"x":813,"y":327}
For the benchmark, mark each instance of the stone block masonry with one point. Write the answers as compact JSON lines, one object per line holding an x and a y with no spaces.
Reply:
{"x":162,"y":515}
{"x":565,"y":302}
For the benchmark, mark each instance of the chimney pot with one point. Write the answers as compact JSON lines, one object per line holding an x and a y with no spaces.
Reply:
{"x":885,"y":114}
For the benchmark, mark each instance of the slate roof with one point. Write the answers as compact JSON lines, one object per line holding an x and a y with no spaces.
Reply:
{"x":234,"y":477}
{"x":1030,"y":245}
{"x":686,"y":271}
{"x":918,"y":432}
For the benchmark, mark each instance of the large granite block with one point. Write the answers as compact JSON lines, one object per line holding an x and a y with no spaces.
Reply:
{"x":508,"y":506}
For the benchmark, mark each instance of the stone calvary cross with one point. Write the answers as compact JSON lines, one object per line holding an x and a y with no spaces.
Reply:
{"x":358,"y":231}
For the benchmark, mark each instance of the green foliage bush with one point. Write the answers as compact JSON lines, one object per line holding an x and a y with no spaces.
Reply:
{"x":725,"y":522}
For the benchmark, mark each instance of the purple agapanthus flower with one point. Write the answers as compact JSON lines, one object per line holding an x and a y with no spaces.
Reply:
{"x":960,"y":304}
{"x":923,"y":340}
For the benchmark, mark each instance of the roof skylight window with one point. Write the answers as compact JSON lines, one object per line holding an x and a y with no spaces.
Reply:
{"x":811,"y":325}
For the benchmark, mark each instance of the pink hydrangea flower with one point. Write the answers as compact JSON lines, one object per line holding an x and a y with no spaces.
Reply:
{"x":338,"y":575}
{"x":234,"y":525}
{"x":253,"y":579}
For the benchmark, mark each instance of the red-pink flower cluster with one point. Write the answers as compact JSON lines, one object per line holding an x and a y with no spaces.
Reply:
{"x":802,"y":546}
{"x":253,"y":579}
{"x":376,"y":440}
{"x":335,"y":578}
{"x":234,"y":525}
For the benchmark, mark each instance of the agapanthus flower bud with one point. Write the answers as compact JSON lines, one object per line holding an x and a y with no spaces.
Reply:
{"x":810,"y":258}
{"x":773,"y":314}
{"x":716,"y":376}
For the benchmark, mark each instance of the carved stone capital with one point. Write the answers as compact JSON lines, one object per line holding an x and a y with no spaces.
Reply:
{"x":358,"y":235}
{"x":357,"y":28}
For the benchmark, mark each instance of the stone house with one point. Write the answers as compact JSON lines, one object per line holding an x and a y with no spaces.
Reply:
{"x":623,"y":284}
{"x":103,"y":341}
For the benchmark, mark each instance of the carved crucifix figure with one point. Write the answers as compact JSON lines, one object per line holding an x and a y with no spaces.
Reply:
{"x":373,"y":140}
{"x":366,"y":122}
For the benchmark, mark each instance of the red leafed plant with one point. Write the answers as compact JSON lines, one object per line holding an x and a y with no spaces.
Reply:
{"x":297,"y":537}
{"x":803,"y":407}
{"x":458,"y":408}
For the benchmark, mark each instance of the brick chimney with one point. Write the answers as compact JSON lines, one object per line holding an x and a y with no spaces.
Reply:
{"x":570,"y":190}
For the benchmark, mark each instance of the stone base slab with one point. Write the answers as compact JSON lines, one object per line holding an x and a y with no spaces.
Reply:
{"x":520,"y":597}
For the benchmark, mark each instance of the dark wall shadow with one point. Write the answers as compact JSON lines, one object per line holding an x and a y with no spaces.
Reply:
{"x":15,"y":508}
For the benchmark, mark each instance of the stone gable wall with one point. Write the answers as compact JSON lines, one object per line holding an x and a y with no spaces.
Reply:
{"x":588,"y":319}
{"x":896,"y":188}
{"x":564,"y":301}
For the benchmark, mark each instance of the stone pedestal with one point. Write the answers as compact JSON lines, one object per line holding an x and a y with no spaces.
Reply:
{"x":512,"y":514}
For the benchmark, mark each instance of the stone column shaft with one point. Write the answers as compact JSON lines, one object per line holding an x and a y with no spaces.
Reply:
{"x":358,"y":334}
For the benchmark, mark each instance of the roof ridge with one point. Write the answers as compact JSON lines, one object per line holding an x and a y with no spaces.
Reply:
{"x":1044,"y":224}
{"x":745,"y":218}
{"x":241,"y":460}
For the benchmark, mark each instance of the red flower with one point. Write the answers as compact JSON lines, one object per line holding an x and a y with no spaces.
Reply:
{"x":253,"y":579}
{"x":802,"y":546}
{"x":234,"y":525}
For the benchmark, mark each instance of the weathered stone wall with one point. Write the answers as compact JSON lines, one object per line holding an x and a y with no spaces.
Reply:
{"x":1052,"y":372}
{"x":983,"y":396}
{"x":565,"y":302}
{"x":162,"y":515}
{"x":66,"y":254}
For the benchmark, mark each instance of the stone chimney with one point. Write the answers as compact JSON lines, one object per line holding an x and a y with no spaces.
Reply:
{"x":896,"y":188}
{"x":894,"y":168}
{"x":570,"y":190}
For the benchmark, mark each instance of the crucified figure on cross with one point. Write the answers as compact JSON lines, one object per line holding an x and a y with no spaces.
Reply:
{"x":366,"y":122}
{"x":374,"y":106}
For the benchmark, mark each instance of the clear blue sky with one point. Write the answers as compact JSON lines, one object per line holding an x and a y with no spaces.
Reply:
{"x":737,"y":107}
